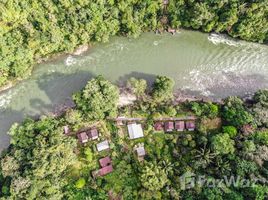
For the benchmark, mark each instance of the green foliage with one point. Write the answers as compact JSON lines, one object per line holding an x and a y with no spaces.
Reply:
{"x":261,"y":137}
{"x":260,"y":108}
{"x":153,"y":177}
{"x":209,"y":110}
{"x":223,"y":144}
{"x":39,"y":159}
{"x":61,"y":26}
{"x":163,"y":89}
{"x":235,"y":113}
{"x":98,"y":99}
{"x":137,"y":86}
{"x":80,"y":183}
{"x":230,"y":130}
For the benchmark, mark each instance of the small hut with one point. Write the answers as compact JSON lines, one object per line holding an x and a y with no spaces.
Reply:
{"x":179,"y":125}
{"x":190,"y":125}
{"x":158,"y":126}
{"x":93,"y":134}
{"x":103,"y":145}
{"x":169,"y":126}
{"x":105,"y":161}
{"x":82,"y":137}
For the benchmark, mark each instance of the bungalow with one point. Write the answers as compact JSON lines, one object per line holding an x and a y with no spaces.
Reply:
{"x":103,"y":145}
{"x":158,"y":126}
{"x":140,"y":151}
{"x":190,"y":125}
{"x":179,"y":125}
{"x":93,"y":134}
{"x":103,"y":171}
{"x":82,"y":137}
{"x":105,"y":161}
{"x":169,"y":126}
{"x":135,"y":131}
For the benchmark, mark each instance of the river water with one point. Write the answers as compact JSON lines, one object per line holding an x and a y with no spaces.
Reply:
{"x":203,"y":65}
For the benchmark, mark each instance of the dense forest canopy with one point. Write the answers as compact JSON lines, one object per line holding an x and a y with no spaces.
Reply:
{"x":230,"y":141}
{"x":33,"y":30}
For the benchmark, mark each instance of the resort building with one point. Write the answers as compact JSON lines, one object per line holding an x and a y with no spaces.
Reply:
{"x":105,"y":170}
{"x":82,"y":137}
{"x":103,"y":145}
{"x":93,"y":134}
{"x":158,"y":126}
{"x":135,"y":131}
{"x":169,"y":126}
{"x":190,"y":125}
{"x":179,"y":125}
{"x":140,"y":151}
{"x":105,"y":161}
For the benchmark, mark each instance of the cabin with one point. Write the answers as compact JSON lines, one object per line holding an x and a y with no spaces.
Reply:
{"x":135,"y":131}
{"x":93,"y":134}
{"x":66,"y":130}
{"x":103,"y":145}
{"x":169,"y":126}
{"x":140,"y":151}
{"x":179,"y":125}
{"x":190,"y":125}
{"x":105,"y":161}
{"x":158,"y":126}
{"x":82,"y":137}
{"x":103,"y":171}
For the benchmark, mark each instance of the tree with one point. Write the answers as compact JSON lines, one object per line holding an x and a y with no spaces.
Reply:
{"x":153,"y":177}
{"x":223,"y":144}
{"x":230,"y":130}
{"x":235,"y":113}
{"x":260,"y":108}
{"x":163,"y":89}
{"x":137,"y":86}
{"x":39,"y":158}
{"x":98,"y":99}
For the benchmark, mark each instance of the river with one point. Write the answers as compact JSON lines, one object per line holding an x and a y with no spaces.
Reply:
{"x":203,"y":65}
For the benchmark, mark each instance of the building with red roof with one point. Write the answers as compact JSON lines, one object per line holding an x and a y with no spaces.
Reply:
{"x":82,"y":137}
{"x":158,"y":126}
{"x":179,"y":125}
{"x":93,"y":134}
{"x":190,"y":125}
{"x":105,"y":161}
{"x":169,"y":126}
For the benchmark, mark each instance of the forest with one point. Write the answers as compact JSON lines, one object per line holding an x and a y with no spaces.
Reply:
{"x":230,"y":140}
{"x":31,"y":31}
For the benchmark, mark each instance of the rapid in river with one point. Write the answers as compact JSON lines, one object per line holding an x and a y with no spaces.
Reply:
{"x":202,"y":65}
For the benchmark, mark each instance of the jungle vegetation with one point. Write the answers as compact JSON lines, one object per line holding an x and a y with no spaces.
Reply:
{"x":231,"y":139}
{"x":31,"y":31}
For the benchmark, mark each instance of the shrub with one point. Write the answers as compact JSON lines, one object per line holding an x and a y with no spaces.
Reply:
{"x":80,"y":183}
{"x":230,"y":130}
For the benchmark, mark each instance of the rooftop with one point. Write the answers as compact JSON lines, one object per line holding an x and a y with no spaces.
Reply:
{"x":82,"y":137}
{"x":103,"y":145}
{"x":135,"y":131}
{"x":140,"y":151}
{"x":105,"y":161}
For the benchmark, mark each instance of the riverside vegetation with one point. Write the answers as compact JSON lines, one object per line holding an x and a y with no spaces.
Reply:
{"x":231,"y":139}
{"x":33,"y":30}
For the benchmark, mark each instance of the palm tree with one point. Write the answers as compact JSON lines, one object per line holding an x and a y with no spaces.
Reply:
{"x":204,"y":156}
